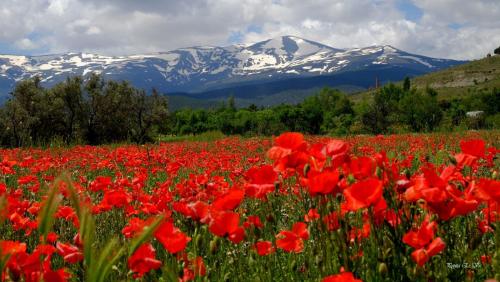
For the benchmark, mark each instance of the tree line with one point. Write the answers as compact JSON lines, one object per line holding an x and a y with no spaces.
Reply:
{"x":95,"y":111}
{"x":80,"y":112}
{"x":391,"y":109}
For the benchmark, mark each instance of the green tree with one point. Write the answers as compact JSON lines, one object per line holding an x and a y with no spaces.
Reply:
{"x":497,"y":51}
{"x":383,"y":111}
{"x":406,"y":84}
{"x":68,"y":97}
{"x":150,"y":112}
{"x":420,"y":111}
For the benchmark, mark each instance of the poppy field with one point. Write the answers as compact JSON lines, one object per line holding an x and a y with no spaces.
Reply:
{"x":288,"y":208}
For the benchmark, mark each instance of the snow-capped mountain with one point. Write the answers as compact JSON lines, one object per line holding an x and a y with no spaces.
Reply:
{"x":199,"y":69}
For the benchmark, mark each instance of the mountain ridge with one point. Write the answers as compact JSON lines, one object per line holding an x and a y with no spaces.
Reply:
{"x":196,"y":70}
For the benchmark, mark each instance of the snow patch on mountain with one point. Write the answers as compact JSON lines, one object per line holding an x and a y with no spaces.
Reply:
{"x":189,"y":69}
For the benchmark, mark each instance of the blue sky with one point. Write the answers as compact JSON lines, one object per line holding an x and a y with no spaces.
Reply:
{"x":459,"y":29}
{"x":411,"y":12}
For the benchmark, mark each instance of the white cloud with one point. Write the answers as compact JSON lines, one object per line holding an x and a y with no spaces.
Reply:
{"x":460,"y":29}
{"x":25,"y":44}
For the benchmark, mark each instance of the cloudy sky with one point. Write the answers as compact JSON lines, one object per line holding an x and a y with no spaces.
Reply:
{"x":458,"y":29}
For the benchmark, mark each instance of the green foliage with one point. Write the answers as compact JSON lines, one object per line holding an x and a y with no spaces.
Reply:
{"x":74,"y":111}
{"x":98,"y":111}
{"x":406,"y":84}
{"x":49,"y":208}
{"x":420,"y":111}
{"x":328,"y":112}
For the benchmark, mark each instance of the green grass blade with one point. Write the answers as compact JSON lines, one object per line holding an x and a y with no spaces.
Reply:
{"x":107,"y":259}
{"x":72,"y":193}
{"x":49,"y":208}
{"x":146,"y":234}
{"x":87,"y":231}
{"x":3,"y":209}
{"x":3,"y":262}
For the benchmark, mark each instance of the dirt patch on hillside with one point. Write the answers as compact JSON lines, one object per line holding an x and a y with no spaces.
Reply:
{"x":463,"y":80}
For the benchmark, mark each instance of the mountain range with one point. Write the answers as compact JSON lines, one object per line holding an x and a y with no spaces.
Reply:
{"x":272,"y":71}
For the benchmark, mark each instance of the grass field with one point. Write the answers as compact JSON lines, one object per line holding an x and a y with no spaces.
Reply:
{"x":292,"y":208}
{"x":456,"y":82}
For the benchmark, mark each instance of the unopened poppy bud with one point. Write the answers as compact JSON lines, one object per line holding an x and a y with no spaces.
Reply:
{"x":379,"y":172}
{"x":214,"y":245}
{"x":270,"y":218}
{"x":382,"y":268}
{"x":434,"y":217}
{"x":276,"y":186}
{"x":387,"y":252}
{"x":414,"y":271}
{"x":307,"y":167}
{"x":294,"y":265}
{"x":494,"y":175}
{"x":198,"y":240}
{"x":227,"y":276}
{"x":452,"y":159}
{"x":77,"y":240}
{"x":350,"y":179}
{"x":251,"y":261}
{"x":318,"y":260}
{"x":330,"y":206}
{"x":407,"y":173}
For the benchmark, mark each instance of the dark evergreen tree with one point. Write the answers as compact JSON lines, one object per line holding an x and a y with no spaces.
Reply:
{"x":406,"y":84}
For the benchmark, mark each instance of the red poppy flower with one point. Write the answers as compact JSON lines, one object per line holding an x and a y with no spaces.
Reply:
{"x":264,"y":248}
{"x":291,"y":140}
{"x":143,"y":260}
{"x":56,"y":275}
{"x":71,"y":254}
{"x":295,"y":161}
{"x":100,"y":183}
{"x":422,"y":255}
{"x":362,"y":194}
{"x":360,"y":233}
{"x":471,"y":151}
{"x":323,"y":183}
{"x":260,"y":181}
{"x":476,"y":147}
{"x":289,"y":242}
{"x":224,"y":222}
{"x":172,"y":239}
{"x":435,"y":247}
{"x":116,"y":198}
{"x":289,"y":151}
{"x":362,"y":167}
{"x":331,"y":221}
{"x":134,"y":226}
{"x":337,"y":150}
{"x":292,"y":241}
{"x":341,"y":277}
{"x":253,"y":220}
{"x":422,"y":240}
{"x":300,"y":228}
{"x":487,"y":189}
{"x":237,"y":235}
{"x":196,"y":210}
{"x":230,"y":200}
{"x":311,"y":215}
{"x":421,"y":237}
{"x":11,"y":248}
{"x":199,"y":266}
